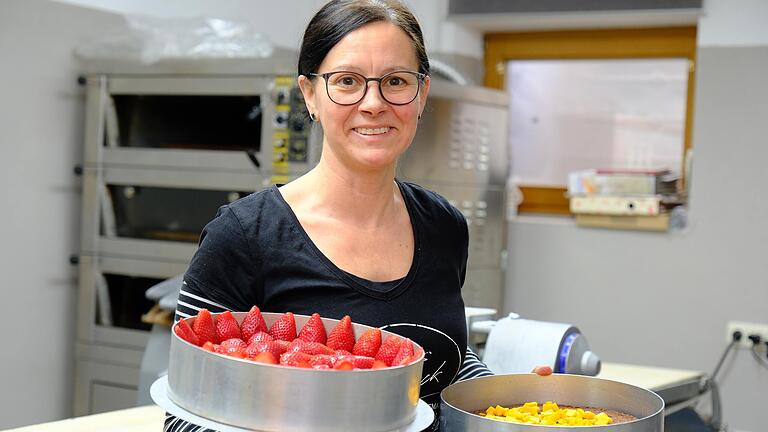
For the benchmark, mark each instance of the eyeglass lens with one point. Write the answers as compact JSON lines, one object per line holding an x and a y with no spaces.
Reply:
{"x":349,"y":88}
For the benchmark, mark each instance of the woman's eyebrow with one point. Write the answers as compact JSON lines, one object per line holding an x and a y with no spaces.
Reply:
{"x":352,"y":68}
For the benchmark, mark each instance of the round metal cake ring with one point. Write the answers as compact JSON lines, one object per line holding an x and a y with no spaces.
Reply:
{"x":159,"y":392}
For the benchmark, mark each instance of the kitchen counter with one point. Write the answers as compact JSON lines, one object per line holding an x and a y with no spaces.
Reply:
{"x":142,"y":419}
{"x":673,"y":385}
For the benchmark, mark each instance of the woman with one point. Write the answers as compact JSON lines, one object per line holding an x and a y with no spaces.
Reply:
{"x":348,"y":238}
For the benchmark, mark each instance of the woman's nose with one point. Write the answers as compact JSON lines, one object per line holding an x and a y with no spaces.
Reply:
{"x":373,"y":102}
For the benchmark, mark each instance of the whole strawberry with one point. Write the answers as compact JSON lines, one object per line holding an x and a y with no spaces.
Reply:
{"x":227,"y":327}
{"x":253,"y":323}
{"x":404,"y":354}
{"x":185,"y":332}
{"x":389,"y":349}
{"x":342,"y":337}
{"x":284,"y":328}
{"x":260,"y":337}
{"x":234,"y":347}
{"x":368,"y":343}
{"x":204,"y":327}
{"x":313,"y":330}
{"x":255,"y":348}
{"x":311,"y":348}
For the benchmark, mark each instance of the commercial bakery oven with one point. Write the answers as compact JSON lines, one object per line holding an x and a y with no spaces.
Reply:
{"x":167,"y":144}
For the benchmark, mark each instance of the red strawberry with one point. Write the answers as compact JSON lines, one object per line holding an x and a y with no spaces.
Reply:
{"x":296,"y":359}
{"x":227,"y":327}
{"x":379,"y":364}
{"x":314,"y":348}
{"x":184,"y":331}
{"x":284,"y":328}
{"x":265,"y":357}
{"x":260,"y":337}
{"x":389,"y":349}
{"x":313,"y":330}
{"x":404,"y":354}
{"x":204,"y":327}
{"x":297,"y":345}
{"x":344,"y":365}
{"x":418,"y":352}
{"x":340,"y":353}
{"x":311,"y":348}
{"x":210,"y":346}
{"x":342,"y":336}
{"x":359,"y":362}
{"x":283,"y":345}
{"x":257,"y":347}
{"x":368,"y":343}
{"x":322,"y":359}
{"x":321,"y":367}
{"x":253,"y":323}
{"x":232,"y":347}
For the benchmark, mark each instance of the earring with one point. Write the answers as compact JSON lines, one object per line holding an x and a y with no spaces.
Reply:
{"x":313,"y":116}
{"x":418,"y":117}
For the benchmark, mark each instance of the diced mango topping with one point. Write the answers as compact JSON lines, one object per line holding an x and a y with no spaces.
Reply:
{"x":549,"y":414}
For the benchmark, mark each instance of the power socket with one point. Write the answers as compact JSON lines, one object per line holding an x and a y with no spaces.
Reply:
{"x":746,"y":329}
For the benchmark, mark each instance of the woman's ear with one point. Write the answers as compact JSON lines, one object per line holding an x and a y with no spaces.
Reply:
{"x":308,"y":91}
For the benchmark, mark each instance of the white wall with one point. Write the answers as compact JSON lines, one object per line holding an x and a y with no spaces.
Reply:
{"x":664,"y":299}
{"x":41,"y":118}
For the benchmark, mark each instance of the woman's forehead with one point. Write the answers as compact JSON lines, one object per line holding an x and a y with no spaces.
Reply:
{"x":377,"y":47}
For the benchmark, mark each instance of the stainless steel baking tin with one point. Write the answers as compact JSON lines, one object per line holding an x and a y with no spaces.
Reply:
{"x":276,"y":398}
{"x":459,"y":400}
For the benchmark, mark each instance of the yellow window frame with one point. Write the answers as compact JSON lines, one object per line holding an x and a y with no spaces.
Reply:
{"x":666,"y":42}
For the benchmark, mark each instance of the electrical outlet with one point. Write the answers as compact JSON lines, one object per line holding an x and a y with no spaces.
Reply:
{"x":746,"y":329}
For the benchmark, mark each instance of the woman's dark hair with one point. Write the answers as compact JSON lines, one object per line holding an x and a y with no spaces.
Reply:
{"x":338,"y":18}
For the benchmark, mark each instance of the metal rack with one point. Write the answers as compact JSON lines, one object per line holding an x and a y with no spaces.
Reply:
{"x":141,"y":158}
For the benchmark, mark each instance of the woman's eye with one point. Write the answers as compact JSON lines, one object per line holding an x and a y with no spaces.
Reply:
{"x":347,"y":81}
{"x":395,"y":81}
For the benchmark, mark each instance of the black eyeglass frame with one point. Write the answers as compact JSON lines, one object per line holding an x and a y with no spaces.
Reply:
{"x":419,"y":76}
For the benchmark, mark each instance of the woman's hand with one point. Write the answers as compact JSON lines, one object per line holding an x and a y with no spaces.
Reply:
{"x":542,"y":370}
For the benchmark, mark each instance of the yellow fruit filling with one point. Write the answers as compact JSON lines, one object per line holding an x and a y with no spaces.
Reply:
{"x":548,"y":414}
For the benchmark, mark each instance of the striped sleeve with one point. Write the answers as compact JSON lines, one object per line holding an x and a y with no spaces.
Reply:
{"x":188,"y":304}
{"x":472,"y":367}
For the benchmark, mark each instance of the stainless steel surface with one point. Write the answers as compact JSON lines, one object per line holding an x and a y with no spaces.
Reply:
{"x":460,"y":399}
{"x":275,"y":398}
{"x":159,"y":393}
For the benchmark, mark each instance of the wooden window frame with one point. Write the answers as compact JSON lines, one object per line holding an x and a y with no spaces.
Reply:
{"x":664,"y":42}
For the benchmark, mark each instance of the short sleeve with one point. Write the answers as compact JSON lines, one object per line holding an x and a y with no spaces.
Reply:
{"x":223,"y":267}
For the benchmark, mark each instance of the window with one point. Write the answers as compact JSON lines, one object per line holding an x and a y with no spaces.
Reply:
{"x":588,"y":99}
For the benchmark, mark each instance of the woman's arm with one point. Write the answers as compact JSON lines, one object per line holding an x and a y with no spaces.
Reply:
{"x":472,"y":367}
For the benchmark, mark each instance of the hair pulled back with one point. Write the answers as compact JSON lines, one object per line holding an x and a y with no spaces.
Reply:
{"x":338,"y":18}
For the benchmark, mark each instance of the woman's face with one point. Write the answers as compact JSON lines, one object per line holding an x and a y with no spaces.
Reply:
{"x":371,"y":134}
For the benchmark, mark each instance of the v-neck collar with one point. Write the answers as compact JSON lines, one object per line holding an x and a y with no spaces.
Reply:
{"x":342,"y":274}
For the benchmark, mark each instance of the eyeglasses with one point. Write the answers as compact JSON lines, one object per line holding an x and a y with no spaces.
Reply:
{"x":349,"y":88}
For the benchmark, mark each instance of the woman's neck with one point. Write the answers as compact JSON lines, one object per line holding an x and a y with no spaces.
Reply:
{"x":364,"y":198}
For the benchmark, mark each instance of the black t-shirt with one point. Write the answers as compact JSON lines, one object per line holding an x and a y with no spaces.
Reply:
{"x":255,"y":252}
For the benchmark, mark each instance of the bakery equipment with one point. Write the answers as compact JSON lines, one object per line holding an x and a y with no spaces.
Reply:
{"x":460,"y":400}
{"x":516,"y":345}
{"x":167,"y":143}
{"x":265,"y":397}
